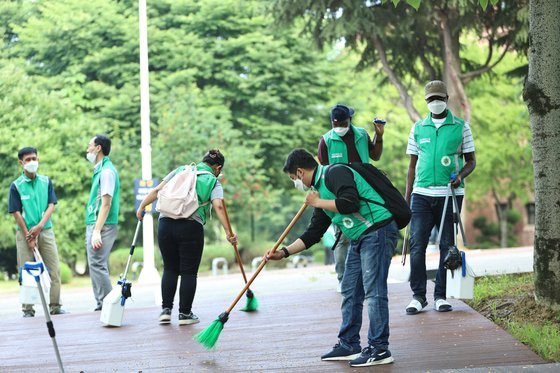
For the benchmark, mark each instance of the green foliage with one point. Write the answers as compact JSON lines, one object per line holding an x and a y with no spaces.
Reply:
{"x":541,"y":335}
{"x":212,"y":251}
{"x":33,"y":116}
{"x":543,"y":339}
{"x":496,"y":286}
{"x":65,"y":273}
{"x":513,"y":216}
{"x":221,"y":76}
{"x":119,"y":257}
{"x":490,"y":232}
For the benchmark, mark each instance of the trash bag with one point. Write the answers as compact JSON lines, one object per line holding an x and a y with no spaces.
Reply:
{"x":452,"y":259}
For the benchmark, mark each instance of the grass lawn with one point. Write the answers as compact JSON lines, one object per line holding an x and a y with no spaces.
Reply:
{"x":508,"y":301}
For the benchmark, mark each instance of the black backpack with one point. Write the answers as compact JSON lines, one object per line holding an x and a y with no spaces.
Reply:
{"x":394,"y":201}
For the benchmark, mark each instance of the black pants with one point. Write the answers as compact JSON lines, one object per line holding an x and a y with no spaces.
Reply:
{"x":181,"y":243}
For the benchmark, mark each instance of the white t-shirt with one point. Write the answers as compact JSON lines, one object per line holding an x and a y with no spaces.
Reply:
{"x":466,"y":147}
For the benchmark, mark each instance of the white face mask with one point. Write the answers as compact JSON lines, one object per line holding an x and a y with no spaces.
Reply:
{"x":91,"y":157}
{"x":341,"y":131}
{"x":31,"y":166}
{"x":298,"y":184}
{"x":437,"y":106}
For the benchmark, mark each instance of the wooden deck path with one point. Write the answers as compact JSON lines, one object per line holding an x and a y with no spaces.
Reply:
{"x":288,"y":334}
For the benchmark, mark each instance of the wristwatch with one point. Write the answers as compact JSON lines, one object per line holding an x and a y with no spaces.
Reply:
{"x":286,"y":252}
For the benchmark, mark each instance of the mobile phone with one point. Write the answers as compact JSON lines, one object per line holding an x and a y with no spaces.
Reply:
{"x":379,"y":121}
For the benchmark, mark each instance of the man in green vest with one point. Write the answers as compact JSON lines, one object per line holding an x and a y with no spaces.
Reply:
{"x":102,"y":216}
{"x":338,"y":196}
{"x":345,"y":143}
{"x":437,"y":146}
{"x":31,"y":203}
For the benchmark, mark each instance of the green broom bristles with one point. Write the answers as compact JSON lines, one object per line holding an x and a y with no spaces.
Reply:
{"x":209,"y":336}
{"x":252,"y":302}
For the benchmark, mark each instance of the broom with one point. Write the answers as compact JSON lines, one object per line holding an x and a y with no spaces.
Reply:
{"x":252,"y":304}
{"x":209,"y":336}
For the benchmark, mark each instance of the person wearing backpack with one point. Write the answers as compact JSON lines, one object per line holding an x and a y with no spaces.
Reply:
{"x":341,"y":196}
{"x":180,"y":237}
{"x":345,"y":143}
{"x":436,"y":145}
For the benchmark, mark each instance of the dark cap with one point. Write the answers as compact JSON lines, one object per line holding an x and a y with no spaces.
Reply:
{"x":340,"y":113}
{"x":435,"y":88}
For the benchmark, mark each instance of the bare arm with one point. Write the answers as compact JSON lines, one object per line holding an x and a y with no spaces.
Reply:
{"x":150,"y":198}
{"x":218,"y":205}
{"x":106,"y":201}
{"x":468,"y":167}
{"x":410,"y":177}
{"x":377,"y":150}
{"x":294,"y":248}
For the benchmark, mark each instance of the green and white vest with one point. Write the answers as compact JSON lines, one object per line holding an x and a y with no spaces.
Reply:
{"x":353,"y":225}
{"x":440,"y":150}
{"x":338,"y":152}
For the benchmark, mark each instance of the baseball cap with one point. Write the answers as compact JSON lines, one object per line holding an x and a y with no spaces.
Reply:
{"x":435,"y":88}
{"x":341,"y":112}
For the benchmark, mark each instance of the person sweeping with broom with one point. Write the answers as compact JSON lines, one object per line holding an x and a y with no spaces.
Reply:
{"x":186,"y":196}
{"x":343,"y":196}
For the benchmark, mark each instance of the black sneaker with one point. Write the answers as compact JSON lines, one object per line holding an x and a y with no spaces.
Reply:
{"x":58,"y":311}
{"x":372,"y":356}
{"x":29,"y":313}
{"x":339,"y":353}
{"x":165,"y":316}
{"x":188,"y":318}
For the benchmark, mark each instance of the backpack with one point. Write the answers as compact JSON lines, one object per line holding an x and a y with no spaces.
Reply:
{"x":394,"y":201}
{"x":178,"y":198}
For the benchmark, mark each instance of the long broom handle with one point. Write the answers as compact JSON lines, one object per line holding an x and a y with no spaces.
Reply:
{"x":230,"y":232}
{"x":263,"y":263}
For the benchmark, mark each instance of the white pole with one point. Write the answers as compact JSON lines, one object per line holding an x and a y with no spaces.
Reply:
{"x":149,"y":274}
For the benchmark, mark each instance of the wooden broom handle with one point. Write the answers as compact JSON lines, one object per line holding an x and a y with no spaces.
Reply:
{"x":263,"y":263}
{"x":230,"y":232}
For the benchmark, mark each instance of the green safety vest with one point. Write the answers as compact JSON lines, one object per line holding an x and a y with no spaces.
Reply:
{"x":34,"y":195}
{"x":440,"y":150}
{"x":204,"y":185}
{"x":338,"y":153}
{"x":94,"y":204}
{"x":353,"y":225}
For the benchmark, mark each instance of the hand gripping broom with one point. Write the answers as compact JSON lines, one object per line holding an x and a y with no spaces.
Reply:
{"x":252,"y":304}
{"x":209,"y":336}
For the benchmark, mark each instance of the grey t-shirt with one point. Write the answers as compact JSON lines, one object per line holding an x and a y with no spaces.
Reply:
{"x":217,"y":193}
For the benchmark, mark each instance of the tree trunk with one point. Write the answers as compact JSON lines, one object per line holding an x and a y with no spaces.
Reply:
{"x":458,"y":101}
{"x":502,"y":219}
{"x":542,"y":95}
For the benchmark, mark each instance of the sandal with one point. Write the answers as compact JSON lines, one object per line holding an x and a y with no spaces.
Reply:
{"x":415,"y":306}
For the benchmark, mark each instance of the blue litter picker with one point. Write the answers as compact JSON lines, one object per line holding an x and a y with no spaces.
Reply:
{"x":113,"y":303}
{"x":35,"y":269}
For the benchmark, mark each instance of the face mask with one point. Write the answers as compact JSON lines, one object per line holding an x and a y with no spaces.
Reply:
{"x":341,"y":131}
{"x":31,"y":166}
{"x":91,"y":157}
{"x":437,"y":106}
{"x":298,"y":184}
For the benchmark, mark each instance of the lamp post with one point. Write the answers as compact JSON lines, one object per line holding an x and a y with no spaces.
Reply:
{"x":149,"y":273}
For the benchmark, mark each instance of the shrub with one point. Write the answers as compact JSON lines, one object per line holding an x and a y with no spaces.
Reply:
{"x":65,"y":273}
{"x":119,"y":257}
{"x":211,"y":251}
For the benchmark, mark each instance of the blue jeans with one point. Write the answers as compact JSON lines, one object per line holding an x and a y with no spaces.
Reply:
{"x":365,"y":277}
{"x":426,"y":213}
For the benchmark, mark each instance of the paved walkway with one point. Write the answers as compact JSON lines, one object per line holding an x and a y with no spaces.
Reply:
{"x":297,"y":322}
